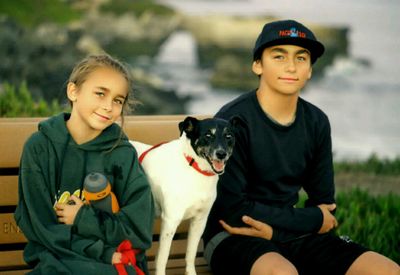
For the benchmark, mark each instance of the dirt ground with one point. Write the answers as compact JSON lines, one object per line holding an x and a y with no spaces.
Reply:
{"x":374,"y":184}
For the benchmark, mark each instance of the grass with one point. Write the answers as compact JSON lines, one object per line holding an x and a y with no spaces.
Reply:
{"x":372,"y":221}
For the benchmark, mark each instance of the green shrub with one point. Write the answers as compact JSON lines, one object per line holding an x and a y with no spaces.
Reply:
{"x":138,"y":7}
{"x":371,"y":165}
{"x":372,"y":221}
{"x":31,"y":13}
{"x":19,"y":103}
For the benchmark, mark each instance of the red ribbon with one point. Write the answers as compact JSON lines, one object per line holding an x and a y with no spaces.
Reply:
{"x":128,"y":258}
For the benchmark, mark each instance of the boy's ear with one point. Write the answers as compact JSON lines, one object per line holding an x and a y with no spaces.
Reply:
{"x":257,"y":67}
{"x":310,"y":73}
{"x":72,"y":91}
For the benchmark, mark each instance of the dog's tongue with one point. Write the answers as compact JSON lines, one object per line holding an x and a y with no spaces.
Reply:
{"x":218,"y":165}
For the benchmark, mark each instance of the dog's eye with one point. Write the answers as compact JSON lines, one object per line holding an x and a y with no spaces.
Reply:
{"x":228,"y":136}
{"x":208,"y":135}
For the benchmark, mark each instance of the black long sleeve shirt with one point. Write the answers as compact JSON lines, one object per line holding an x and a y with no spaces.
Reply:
{"x":269,"y":166}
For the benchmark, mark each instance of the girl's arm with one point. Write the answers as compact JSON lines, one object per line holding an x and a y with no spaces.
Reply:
{"x":134,"y":221}
{"x":36,"y":216}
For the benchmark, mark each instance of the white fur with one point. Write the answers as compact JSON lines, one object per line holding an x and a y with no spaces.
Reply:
{"x":180,"y":193}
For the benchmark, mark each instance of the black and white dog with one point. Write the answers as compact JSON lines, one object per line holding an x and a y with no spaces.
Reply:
{"x":183,"y":175}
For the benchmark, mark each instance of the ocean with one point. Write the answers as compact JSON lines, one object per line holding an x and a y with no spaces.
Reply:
{"x":362,"y":102}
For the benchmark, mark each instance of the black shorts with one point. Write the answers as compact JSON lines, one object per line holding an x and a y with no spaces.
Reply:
{"x":317,"y":254}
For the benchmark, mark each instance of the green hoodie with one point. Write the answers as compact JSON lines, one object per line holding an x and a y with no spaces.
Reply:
{"x":53,"y":166}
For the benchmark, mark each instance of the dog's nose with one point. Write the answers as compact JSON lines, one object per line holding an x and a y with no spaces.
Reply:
{"x":221,"y":154}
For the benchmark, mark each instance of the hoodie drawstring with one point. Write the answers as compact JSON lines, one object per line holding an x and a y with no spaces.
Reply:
{"x":61,"y":164}
{"x":59,"y":170}
{"x":84,"y":173}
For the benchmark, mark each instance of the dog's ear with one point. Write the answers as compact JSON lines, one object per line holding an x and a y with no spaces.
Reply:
{"x":235,"y":122}
{"x":188,"y":125}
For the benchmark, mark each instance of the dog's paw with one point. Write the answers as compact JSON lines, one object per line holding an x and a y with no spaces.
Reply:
{"x":190,"y":270}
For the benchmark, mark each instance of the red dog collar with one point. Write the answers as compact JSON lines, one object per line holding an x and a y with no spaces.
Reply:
{"x":189,"y":159}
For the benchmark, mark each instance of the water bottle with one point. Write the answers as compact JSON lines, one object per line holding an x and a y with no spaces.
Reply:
{"x":97,"y":192}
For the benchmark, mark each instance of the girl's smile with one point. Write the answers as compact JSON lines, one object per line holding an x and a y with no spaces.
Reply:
{"x":97,"y":103}
{"x":106,"y":118}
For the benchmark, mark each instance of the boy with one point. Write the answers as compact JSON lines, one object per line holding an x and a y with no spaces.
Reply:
{"x":283,"y":145}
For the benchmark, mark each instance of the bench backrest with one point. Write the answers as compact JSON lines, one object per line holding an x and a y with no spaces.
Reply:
{"x":13,"y":134}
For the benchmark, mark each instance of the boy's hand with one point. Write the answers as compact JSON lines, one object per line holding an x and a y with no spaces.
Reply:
{"x":329,"y":221}
{"x":256,"y":229}
{"x":67,"y":212}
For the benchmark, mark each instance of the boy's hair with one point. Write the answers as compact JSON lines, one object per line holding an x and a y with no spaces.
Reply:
{"x":287,"y":32}
{"x":89,"y":64}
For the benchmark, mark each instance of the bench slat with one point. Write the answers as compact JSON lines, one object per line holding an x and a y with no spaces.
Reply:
{"x":151,"y":131}
{"x":14,"y":272}
{"x":9,"y":186}
{"x":12,"y":259}
{"x":11,"y":144}
{"x":10,"y":232}
{"x":178,"y":248}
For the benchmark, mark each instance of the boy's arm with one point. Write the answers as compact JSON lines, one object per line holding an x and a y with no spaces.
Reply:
{"x":233,"y":201}
{"x":318,"y":184}
{"x":319,"y":179}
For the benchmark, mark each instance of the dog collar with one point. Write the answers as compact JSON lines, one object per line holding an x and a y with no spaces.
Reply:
{"x":195,"y":165}
{"x":189,"y":159}
{"x":141,"y":157}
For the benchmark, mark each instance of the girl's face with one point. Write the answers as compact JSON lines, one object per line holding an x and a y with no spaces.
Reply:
{"x":99,"y":101}
{"x":284,"y":69}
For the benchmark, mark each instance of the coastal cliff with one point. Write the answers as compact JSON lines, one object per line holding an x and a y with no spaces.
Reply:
{"x":225,"y":44}
{"x":134,"y":32}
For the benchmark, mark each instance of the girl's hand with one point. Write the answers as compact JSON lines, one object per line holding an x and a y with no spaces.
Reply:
{"x":256,"y":229}
{"x":329,"y":221}
{"x":67,"y":212}
{"x":116,"y":258}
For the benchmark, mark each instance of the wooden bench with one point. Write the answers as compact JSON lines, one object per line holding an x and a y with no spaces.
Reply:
{"x":13,"y":134}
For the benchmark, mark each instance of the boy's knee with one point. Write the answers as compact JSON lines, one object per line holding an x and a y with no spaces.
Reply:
{"x":273,"y":263}
{"x":373,"y":263}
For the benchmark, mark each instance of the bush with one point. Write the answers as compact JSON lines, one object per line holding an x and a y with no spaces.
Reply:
{"x":19,"y":103}
{"x":31,"y":13}
{"x":373,"y":221}
{"x":372,"y":165}
{"x":138,"y":7}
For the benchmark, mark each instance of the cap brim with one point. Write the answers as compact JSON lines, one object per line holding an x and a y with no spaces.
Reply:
{"x":316,"y":48}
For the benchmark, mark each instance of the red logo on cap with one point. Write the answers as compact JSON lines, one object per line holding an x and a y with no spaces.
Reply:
{"x":292,"y":33}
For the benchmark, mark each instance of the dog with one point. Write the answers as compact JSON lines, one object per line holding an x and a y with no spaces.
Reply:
{"x":183,"y":175}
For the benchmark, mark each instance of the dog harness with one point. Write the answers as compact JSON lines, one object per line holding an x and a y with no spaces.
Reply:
{"x":189,"y":159}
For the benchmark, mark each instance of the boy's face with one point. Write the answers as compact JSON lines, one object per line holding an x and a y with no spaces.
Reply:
{"x":283,"y":69}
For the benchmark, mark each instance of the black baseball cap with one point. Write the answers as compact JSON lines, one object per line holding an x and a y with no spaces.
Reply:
{"x":288,"y":32}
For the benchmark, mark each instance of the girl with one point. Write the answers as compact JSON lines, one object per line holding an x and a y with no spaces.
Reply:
{"x":65,"y":235}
